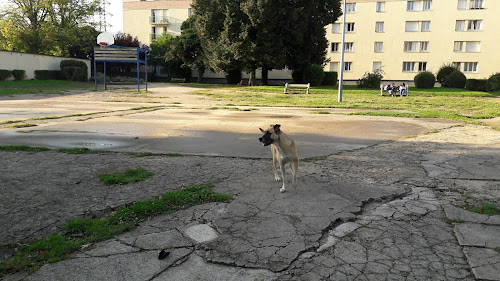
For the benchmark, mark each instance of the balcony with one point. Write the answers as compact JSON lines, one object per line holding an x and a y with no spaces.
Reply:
{"x":159,"y":20}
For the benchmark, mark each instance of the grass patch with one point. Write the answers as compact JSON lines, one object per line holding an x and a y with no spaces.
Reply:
{"x":486,"y":209}
{"x":320,"y":112}
{"x":22,"y":125}
{"x":79,"y":232}
{"x":143,"y":154}
{"x":174,"y":154}
{"x":450,"y":221}
{"x":11,"y":148}
{"x":10,"y":122}
{"x":129,"y":176}
{"x":453,"y":104}
{"x":75,"y":150}
{"x":42,"y":87}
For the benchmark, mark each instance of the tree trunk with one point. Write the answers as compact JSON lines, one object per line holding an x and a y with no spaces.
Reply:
{"x":251,"y":81}
{"x":201,"y":70}
{"x":265,"y":73}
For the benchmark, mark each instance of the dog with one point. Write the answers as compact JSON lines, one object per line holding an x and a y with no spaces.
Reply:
{"x":284,"y":152}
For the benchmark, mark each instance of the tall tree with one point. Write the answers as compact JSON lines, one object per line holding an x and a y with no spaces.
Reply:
{"x":270,"y":34}
{"x":188,"y":48}
{"x":44,"y":27}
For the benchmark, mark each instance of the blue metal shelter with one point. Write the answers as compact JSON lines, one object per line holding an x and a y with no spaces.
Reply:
{"x":115,"y":53}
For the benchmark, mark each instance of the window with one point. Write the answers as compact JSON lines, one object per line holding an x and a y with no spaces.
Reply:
{"x":462,"y":5}
{"x":473,"y":46}
{"x":410,"y":46}
{"x":334,"y":66}
{"x":424,"y":46}
{"x":377,"y":65}
{"x":475,"y":25}
{"x":426,"y":26}
{"x":165,"y":29}
{"x":349,"y":47}
{"x":460,"y":25}
{"x":422,"y":66}
{"x":336,"y":28}
{"x":477,"y":4}
{"x":458,"y":46}
{"x":427,"y":5}
{"x":411,"y":6}
{"x":457,"y":65}
{"x":347,"y":66}
{"x":470,"y":66}
{"x":349,"y":27}
{"x":408,"y":67}
{"x":380,"y":7}
{"x":379,"y":47}
{"x":335,"y":46}
{"x":350,"y":8}
{"x":411,"y":26}
{"x":379,"y":26}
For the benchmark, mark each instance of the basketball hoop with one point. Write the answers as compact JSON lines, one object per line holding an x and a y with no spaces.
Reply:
{"x":105,"y":39}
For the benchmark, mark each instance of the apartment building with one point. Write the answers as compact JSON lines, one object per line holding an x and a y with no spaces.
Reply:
{"x":401,"y":37}
{"x":406,"y":37}
{"x":148,"y":19}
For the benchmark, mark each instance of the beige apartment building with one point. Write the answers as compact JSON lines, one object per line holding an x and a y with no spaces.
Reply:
{"x":401,"y":37}
{"x":405,"y":37}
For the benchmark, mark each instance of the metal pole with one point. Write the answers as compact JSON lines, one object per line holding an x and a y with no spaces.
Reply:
{"x":138,"y":74}
{"x":95,"y":71}
{"x":105,"y":84}
{"x":146,"y":66}
{"x":341,"y":78}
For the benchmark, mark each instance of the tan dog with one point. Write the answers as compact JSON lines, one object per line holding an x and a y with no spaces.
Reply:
{"x":284,"y":151}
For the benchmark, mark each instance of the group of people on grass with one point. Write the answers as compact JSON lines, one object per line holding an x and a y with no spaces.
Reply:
{"x":391,"y":89}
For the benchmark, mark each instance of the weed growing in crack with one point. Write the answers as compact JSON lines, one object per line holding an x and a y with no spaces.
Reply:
{"x":80,"y":231}
{"x":75,"y":150}
{"x":22,"y":148}
{"x":450,"y":221}
{"x":22,"y":125}
{"x":486,"y":209}
{"x":129,"y":176}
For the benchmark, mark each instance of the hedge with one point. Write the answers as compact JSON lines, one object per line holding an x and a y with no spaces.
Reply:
{"x":19,"y":74}
{"x":476,"y":85}
{"x":424,"y":80}
{"x":74,"y":73}
{"x":4,"y":74}
{"x":330,"y":78}
{"x":48,"y":74}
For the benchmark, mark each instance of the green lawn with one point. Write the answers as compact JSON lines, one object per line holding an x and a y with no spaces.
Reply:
{"x":42,"y":87}
{"x":454,"y":104}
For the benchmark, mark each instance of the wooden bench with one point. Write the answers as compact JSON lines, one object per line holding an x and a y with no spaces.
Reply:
{"x":178,"y":80}
{"x":290,"y":87}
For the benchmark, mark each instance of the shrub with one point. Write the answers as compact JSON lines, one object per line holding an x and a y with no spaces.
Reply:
{"x":4,"y":74}
{"x":424,"y":80}
{"x":443,"y":72}
{"x":456,"y":79}
{"x":298,"y":75}
{"x":476,"y":84}
{"x":48,"y":74}
{"x":233,"y":76}
{"x":19,"y":74}
{"x":371,"y":80}
{"x":493,"y":83}
{"x":74,"y":73}
{"x":330,"y":78}
{"x":313,"y":74}
{"x":82,"y":74}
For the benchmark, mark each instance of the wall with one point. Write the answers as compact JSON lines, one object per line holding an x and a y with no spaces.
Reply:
{"x":32,"y":62}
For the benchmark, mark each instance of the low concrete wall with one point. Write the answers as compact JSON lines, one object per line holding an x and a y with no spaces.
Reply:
{"x":31,"y":62}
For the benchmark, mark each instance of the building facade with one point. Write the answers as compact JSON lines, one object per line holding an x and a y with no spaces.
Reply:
{"x":401,"y":37}
{"x":404,"y":38}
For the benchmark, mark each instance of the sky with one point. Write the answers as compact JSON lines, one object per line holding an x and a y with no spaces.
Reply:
{"x":115,"y":7}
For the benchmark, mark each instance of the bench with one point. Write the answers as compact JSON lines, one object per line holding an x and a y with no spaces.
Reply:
{"x":179,"y":80}
{"x":394,"y":91}
{"x":290,"y":87}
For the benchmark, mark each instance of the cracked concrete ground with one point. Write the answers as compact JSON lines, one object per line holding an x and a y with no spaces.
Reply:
{"x":378,"y":211}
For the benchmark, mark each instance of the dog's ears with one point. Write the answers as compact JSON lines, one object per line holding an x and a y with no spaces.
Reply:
{"x":262,"y":130}
{"x":276,"y":128}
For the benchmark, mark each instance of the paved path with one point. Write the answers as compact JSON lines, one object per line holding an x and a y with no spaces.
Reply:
{"x":364,"y":208}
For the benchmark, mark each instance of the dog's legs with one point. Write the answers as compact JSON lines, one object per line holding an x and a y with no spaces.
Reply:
{"x":294,"y":166}
{"x":282,"y":168}
{"x":275,"y":164}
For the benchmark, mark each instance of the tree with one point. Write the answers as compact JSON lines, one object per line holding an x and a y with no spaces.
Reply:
{"x":188,"y":48}
{"x":271,"y":34}
{"x":45,"y":27}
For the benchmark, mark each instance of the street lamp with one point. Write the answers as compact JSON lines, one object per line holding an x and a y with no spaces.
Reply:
{"x":341,"y":78}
